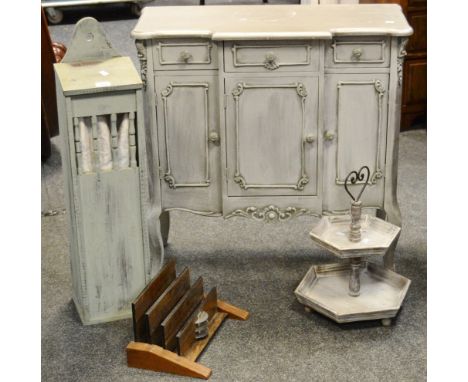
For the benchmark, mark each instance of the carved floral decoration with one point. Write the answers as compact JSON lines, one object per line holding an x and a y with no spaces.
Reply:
{"x":270,"y":213}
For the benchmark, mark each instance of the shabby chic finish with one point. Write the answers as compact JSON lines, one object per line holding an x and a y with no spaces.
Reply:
{"x":260,"y":111}
{"x":356,"y":238}
{"x":100,"y":105}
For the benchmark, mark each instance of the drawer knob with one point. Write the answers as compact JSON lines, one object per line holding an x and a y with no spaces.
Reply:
{"x":309,"y":139}
{"x":270,"y":61}
{"x":329,"y":136}
{"x":213,"y":137}
{"x":357,"y":53}
{"x":185,"y":56}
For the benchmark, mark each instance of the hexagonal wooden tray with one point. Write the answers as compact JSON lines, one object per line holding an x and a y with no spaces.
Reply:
{"x":325,"y":289}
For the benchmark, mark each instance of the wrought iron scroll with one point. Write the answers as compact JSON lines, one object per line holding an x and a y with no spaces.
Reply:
{"x":353,"y":177}
{"x":238,"y":177}
{"x":379,"y":88}
{"x":168,"y":175}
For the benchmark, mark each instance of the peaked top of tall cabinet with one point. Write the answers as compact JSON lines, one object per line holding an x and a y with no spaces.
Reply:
{"x":91,"y":65}
{"x":249,"y":22}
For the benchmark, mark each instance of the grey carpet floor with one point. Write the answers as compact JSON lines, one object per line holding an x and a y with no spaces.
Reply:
{"x":256,"y":266}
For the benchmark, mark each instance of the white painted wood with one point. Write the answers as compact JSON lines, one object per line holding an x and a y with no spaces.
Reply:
{"x":100,"y":76}
{"x":268,"y":141}
{"x":112,"y":251}
{"x":176,"y":54}
{"x":188,"y":117}
{"x":355,"y":52}
{"x":346,"y":110}
{"x":267,"y":125}
{"x":106,"y":181}
{"x":268,"y":56}
{"x":275,"y":22}
{"x":356,"y":106}
{"x":324,"y":289}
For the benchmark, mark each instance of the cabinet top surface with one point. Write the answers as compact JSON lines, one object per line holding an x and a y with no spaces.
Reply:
{"x":257,"y":22}
{"x":116,"y":73}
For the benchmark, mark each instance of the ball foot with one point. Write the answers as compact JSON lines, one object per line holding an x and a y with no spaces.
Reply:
{"x":386,"y":321}
{"x":307,"y":309}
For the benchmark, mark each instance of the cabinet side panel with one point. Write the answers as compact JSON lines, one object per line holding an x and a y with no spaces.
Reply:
{"x":113,"y":247}
{"x":66,"y":151}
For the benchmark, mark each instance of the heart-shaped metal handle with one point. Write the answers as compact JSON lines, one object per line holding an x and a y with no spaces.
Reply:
{"x":355,"y":176}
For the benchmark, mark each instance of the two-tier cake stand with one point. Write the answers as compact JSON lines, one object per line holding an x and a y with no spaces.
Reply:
{"x":355,"y":289}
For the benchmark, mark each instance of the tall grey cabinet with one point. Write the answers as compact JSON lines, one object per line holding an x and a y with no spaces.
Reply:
{"x":99,"y":97}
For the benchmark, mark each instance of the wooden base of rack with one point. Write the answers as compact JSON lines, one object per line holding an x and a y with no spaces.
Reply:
{"x":164,"y":316}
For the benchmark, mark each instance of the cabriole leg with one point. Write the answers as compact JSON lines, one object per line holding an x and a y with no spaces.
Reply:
{"x":156,"y":245}
{"x":165,"y":224}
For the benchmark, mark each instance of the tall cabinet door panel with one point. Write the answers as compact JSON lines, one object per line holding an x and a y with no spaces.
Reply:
{"x":188,"y":134}
{"x":271,"y":136}
{"x":355,"y":125}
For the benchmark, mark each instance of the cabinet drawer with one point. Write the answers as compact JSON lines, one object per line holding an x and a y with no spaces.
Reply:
{"x":187,"y":54}
{"x":271,"y":56}
{"x":360,"y":51}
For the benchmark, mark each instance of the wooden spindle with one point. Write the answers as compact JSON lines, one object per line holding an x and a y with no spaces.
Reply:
{"x":95,"y":142}
{"x":132,"y":139}
{"x":79,"y":159}
{"x":115,"y":140}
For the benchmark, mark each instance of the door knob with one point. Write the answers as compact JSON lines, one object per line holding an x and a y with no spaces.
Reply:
{"x":328,"y":136}
{"x":357,"y":53}
{"x":213,"y":137}
{"x":270,"y":61}
{"x":185,"y":56}
{"x":309,"y":138}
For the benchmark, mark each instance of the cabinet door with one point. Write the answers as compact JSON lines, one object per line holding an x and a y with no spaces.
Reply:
{"x":189,"y":141}
{"x":355,"y":125}
{"x":271,"y":135}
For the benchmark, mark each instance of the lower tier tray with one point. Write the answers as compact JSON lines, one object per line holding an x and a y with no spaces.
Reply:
{"x":325,"y":289}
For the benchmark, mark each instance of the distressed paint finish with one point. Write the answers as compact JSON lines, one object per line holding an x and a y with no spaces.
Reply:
{"x":295,"y":110}
{"x":272,"y":148}
{"x":356,"y":117}
{"x":109,"y":238}
{"x":112,"y":241}
{"x":188,"y":114}
{"x":268,"y":122}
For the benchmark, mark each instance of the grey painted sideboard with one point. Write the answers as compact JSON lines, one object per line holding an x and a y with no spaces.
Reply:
{"x":261,"y":111}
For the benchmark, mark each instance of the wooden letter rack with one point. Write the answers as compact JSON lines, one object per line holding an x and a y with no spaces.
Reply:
{"x":164,"y":323}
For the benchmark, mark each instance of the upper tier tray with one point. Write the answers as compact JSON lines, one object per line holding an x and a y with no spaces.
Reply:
{"x":257,"y":22}
{"x":332,"y":233}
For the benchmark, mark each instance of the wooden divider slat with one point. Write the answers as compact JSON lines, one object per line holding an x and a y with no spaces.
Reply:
{"x":163,"y":306}
{"x":147,"y":297}
{"x":179,"y":314}
{"x":186,"y":335}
